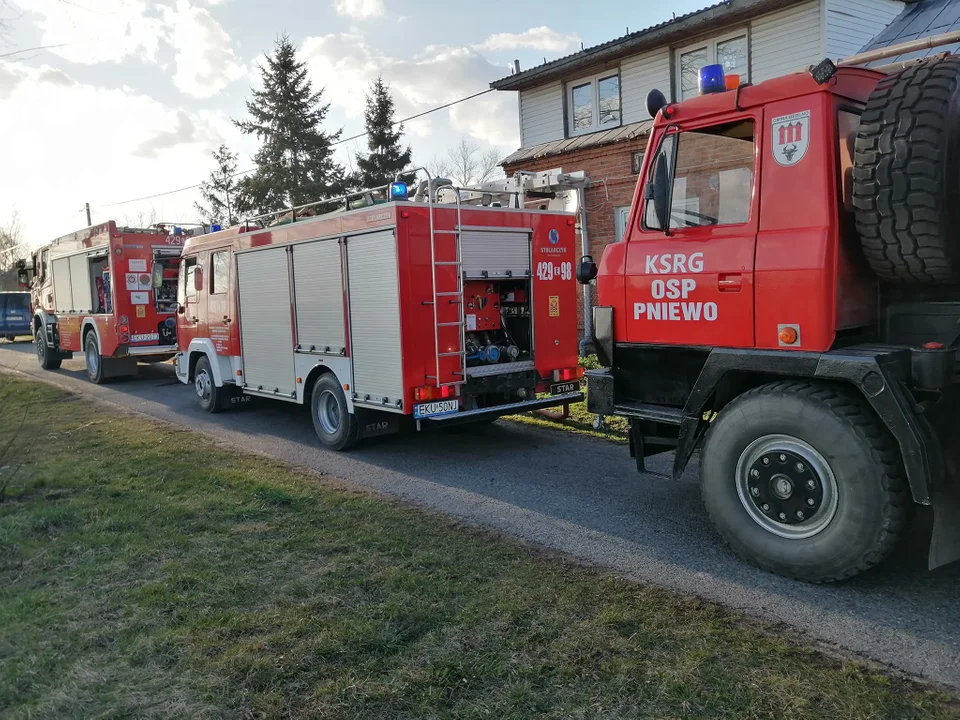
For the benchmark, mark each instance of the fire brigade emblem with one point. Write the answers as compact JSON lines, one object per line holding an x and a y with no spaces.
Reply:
{"x":791,"y":138}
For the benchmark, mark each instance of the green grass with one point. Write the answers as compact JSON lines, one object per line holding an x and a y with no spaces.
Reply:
{"x":147,"y":572}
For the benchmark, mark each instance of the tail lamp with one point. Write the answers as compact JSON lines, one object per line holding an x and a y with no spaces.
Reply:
{"x":431,"y":392}
{"x":574,"y":373}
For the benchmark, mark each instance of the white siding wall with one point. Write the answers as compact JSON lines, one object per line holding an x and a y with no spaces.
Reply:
{"x":638,"y":76}
{"x":851,"y":24}
{"x":541,"y":114}
{"x":786,"y":41}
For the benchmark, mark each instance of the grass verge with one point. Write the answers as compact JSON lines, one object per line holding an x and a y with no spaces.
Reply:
{"x":146,"y":572}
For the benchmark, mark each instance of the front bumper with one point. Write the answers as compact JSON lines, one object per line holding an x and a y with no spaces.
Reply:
{"x":509,"y":409}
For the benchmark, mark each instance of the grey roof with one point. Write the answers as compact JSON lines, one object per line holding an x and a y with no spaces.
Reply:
{"x":581,"y":142}
{"x":685,"y":26}
{"x":918,"y":20}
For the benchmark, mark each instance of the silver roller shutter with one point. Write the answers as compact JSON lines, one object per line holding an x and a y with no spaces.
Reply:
{"x":318,"y":285}
{"x":375,"y":319}
{"x":80,"y":284}
{"x":266,"y":329}
{"x":62,"y":295}
{"x":499,"y":254}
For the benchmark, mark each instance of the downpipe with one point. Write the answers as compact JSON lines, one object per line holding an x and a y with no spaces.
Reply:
{"x":586,"y":342}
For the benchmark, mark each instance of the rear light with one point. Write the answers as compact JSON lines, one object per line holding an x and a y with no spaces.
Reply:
{"x":431,"y":392}
{"x":574,"y":373}
{"x":124,"y":329}
{"x":124,"y":338}
{"x":124,"y":320}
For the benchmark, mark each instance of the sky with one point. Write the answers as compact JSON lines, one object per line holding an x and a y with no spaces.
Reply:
{"x":129,"y":97}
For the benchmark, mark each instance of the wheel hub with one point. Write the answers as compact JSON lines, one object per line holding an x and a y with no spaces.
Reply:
{"x":328,"y":412}
{"x":202,"y":385}
{"x":786,"y":486}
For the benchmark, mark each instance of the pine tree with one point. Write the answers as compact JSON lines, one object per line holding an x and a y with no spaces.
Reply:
{"x":386,"y":157}
{"x":295,"y":162}
{"x":219,"y":193}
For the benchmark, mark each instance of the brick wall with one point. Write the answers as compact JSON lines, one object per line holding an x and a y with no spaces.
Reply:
{"x":612,"y":185}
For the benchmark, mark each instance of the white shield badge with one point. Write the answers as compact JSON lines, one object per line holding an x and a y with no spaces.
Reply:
{"x":791,"y":137}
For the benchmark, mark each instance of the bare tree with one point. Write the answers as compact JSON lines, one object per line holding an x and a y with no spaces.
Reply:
{"x":466,"y":164}
{"x":12,"y":248}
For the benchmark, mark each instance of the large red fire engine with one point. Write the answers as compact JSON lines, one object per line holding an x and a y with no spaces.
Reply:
{"x":416,"y":309}
{"x":108,"y":292}
{"x":786,"y":302}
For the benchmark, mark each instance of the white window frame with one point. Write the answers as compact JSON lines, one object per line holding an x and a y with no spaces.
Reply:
{"x":593,"y":80}
{"x":621,"y":218}
{"x":710,"y":45}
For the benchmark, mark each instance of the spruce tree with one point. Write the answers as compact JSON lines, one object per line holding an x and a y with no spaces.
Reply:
{"x":295,"y":163}
{"x":386,"y":157}
{"x":219,"y":192}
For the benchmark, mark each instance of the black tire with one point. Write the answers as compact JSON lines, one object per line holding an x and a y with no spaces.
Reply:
{"x":849,"y":443}
{"x":209,"y":396}
{"x":905,"y":180}
{"x":335,"y":426}
{"x":48,"y":358}
{"x":11,"y":338}
{"x":95,"y":361}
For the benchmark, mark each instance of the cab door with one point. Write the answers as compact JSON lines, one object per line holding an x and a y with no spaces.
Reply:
{"x":218,"y":317}
{"x":188,"y":297}
{"x":690,"y":262}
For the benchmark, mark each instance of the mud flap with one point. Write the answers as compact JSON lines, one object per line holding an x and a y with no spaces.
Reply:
{"x":233,"y":397}
{"x":119,"y":367}
{"x":945,"y":543}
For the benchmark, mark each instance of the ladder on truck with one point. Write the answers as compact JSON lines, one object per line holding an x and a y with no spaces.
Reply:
{"x":453,"y":297}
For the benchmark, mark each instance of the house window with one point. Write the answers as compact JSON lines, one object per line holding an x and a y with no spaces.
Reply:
{"x":636,"y":162}
{"x":594,"y":103}
{"x":728,"y":50}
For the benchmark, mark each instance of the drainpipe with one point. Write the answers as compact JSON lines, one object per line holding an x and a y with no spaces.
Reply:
{"x":587,"y":341}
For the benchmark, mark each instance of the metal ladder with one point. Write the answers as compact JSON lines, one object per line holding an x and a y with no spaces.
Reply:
{"x":452,"y":297}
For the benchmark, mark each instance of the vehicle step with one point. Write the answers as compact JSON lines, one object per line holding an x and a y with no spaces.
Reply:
{"x":652,"y":413}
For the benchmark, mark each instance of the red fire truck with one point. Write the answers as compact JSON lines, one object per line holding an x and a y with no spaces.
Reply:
{"x":786,"y":303}
{"x":429,"y":310}
{"x":108,"y":292}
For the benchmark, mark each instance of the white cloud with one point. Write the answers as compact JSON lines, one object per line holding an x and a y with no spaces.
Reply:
{"x":99,"y":31}
{"x":118,"y":144}
{"x":538,"y":38}
{"x":360,"y":9}
{"x":204,"y":59}
{"x":345,"y":65}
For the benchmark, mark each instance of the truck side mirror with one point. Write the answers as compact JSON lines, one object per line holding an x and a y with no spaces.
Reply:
{"x":23,"y":278}
{"x":658,"y":191}
{"x":586,"y":270}
{"x":198,"y":279}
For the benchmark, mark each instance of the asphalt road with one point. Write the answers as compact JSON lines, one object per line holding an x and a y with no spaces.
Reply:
{"x":582,"y":497}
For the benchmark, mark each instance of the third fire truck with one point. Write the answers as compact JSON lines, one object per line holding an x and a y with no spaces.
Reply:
{"x":441,"y":308}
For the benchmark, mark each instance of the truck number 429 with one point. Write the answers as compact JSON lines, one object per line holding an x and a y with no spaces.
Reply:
{"x":549,"y":271}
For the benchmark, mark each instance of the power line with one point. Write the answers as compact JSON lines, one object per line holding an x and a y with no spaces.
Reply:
{"x":337,"y":142}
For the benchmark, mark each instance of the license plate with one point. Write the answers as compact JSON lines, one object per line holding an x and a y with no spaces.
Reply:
{"x":564,"y":387}
{"x":144,"y":337}
{"x":442,"y":407}
{"x":15,"y":317}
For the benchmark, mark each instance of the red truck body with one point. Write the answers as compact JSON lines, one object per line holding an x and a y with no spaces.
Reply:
{"x":109,"y":292}
{"x":442,"y":312}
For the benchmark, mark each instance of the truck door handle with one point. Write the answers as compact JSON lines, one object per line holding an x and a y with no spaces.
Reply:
{"x":226,"y":320}
{"x":730,"y":283}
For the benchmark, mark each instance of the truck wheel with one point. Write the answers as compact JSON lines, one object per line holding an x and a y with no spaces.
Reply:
{"x":94,"y":360}
{"x":803,"y":480}
{"x":335,"y":426}
{"x":905,"y":181}
{"x":48,"y":358}
{"x":11,"y":338}
{"x":208,"y":394}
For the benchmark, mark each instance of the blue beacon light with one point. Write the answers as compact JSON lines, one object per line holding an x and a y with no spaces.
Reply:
{"x":712,"y":79}
{"x":398,"y":191}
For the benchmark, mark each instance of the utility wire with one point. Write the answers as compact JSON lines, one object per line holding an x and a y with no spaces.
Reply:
{"x":337,"y":142}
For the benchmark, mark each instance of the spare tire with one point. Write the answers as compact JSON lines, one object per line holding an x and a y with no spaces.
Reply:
{"x":906,"y":174}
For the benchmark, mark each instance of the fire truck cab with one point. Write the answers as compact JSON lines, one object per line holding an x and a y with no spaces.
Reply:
{"x":401,"y":311}
{"x":108,"y":292}
{"x":785,"y":302}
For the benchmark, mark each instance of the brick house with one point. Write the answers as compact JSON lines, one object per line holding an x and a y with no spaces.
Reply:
{"x":587,"y":111}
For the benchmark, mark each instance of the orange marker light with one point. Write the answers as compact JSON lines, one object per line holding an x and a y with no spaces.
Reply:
{"x":346,"y":386}
{"x":788,"y":336}
{"x":732,"y":82}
